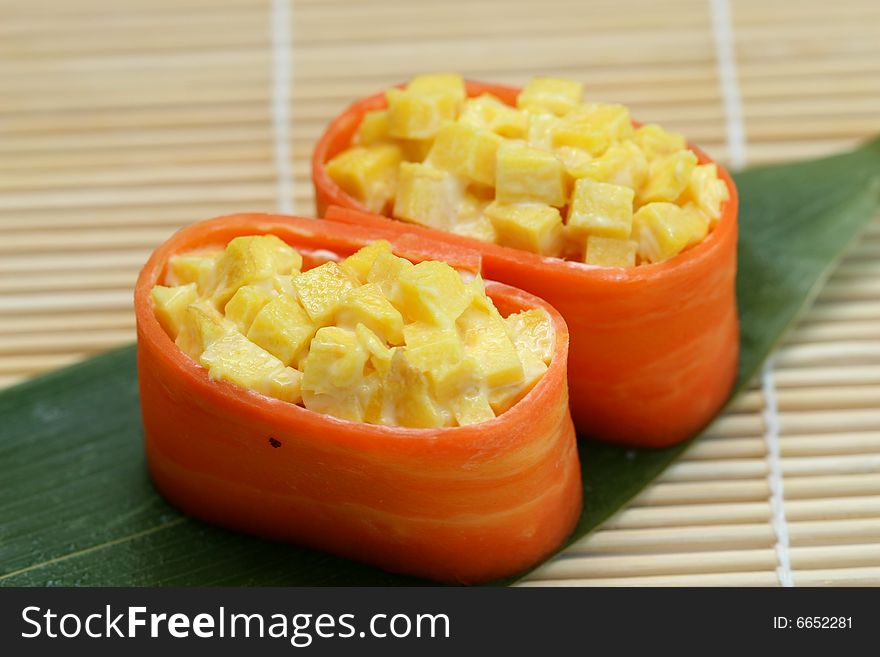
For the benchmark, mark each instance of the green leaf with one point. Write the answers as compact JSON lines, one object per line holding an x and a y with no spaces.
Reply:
{"x":77,"y":506}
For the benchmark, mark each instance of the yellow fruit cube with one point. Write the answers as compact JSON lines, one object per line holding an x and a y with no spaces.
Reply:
{"x":385,"y":272}
{"x":236,"y":359}
{"x":532,"y":330}
{"x":600,"y":209}
{"x":286,"y":385}
{"x":415,"y":150}
{"x":202,"y":325}
{"x":531,"y":227}
{"x":359,"y":263}
{"x":432,"y":349}
{"x":368,"y":306}
{"x":466,"y":150}
{"x":368,"y":173}
{"x":415,"y":115}
{"x":667,"y":177}
{"x":707,"y":192}
{"x":487,"y":111}
{"x":373,"y":128}
{"x":592,"y":128}
{"x":552,"y":95}
{"x":574,"y":159}
{"x":283,"y":328}
{"x":540,"y":130}
{"x":427,"y":196}
{"x":244,"y":305}
{"x":408,"y":396}
{"x":662,"y":230}
{"x":336,"y":361}
{"x":433,"y":292}
{"x":333,"y":374}
{"x":478,"y":228}
{"x":252,"y":259}
{"x":655,"y":141}
{"x":440,"y":84}
{"x":485,"y":338}
{"x":610,"y":252}
{"x":198,"y":268}
{"x":461,"y":389}
{"x":322,"y":289}
{"x":622,"y":164}
{"x":502,"y":398}
{"x":379,"y":353}
{"x":529,"y":175}
{"x":170,"y":304}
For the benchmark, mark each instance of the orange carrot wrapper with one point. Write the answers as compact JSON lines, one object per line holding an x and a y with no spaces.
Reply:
{"x":654,"y":348}
{"x":462,"y":504}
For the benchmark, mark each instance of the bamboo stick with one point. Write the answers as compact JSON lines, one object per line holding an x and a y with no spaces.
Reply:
{"x":687,"y":563}
{"x":714,"y":579}
{"x":672,"y":539}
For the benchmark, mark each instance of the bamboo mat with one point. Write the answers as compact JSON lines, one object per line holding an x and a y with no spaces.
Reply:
{"x":120,"y":122}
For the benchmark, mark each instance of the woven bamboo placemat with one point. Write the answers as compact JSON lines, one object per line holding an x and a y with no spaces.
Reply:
{"x":120,"y":122}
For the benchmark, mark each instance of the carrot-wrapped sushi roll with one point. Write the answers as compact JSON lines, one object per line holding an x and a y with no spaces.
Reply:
{"x":627,"y":230}
{"x":301,"y":381}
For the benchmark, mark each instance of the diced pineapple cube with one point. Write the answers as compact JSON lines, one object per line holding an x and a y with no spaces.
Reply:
{"x":461,"y":389}
{"x":574,"y":159}
{"x":531,"y":227}
{"x":529,"y":175}
{"x":592,"y":128}
{"x":432,"y":349}
{"x":252,"y":259}
{"x":408,"y":396}
{"x":478,"y":228}
{"x":667,"y":177}
{"x":433,"y":292}
{"x":487,"y":111}
{"x":440,"y":84}
{"x":368,"y":173}
{"x":385,"y":272}
{"x":415,"y":150}
{"x":283,"y":328}
{"x":622,"y":164}
{"x":550,"y":95}
{"x":379,"y":353}
{"x":600,"y":209}
{"x":286,"y":385}
{"x":373,"y":128}
{"x":663,"y":230}
{"x":540,"y":130}
{"x":501,"y":398}
{"x":707,"y":192}
{"x":170,"y":304}
{"x":368,"y":306}
{"x":427,"y":196}
{"x":244,"y":305}
{"x":415,"y":115}
{"x":655,"y":141}
{"x":610,"y":252}
{"x":198,"y":268}
{"x":202,"y":325}
{"x":236,"y":359}
{"x":466,"y":150}
{"x":333,"y":374}
{"x":321,"y":290}
{"x":485,"y":338}
{"x":359,"y":263}
{"x":532,"y":330}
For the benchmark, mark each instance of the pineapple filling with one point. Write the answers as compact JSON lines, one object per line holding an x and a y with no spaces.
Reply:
{"x":372,"y":338}
{"x":553,"y":175}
